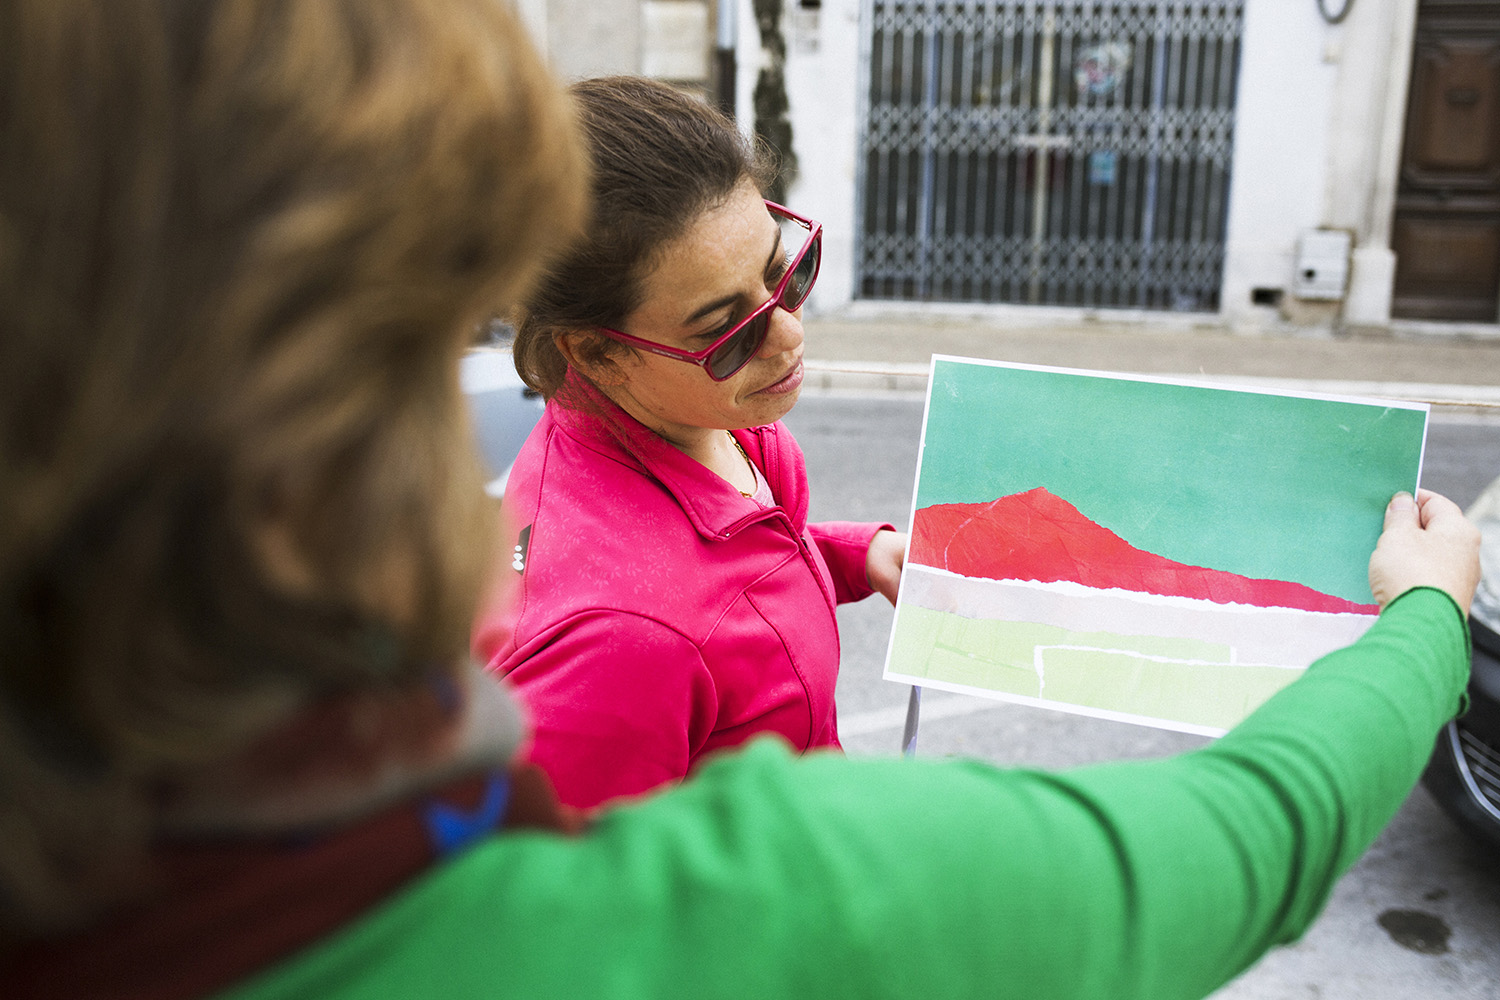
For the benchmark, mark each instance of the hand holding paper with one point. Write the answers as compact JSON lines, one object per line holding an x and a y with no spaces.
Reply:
{"x":883,"y":562}
{"x":1427,"y":542}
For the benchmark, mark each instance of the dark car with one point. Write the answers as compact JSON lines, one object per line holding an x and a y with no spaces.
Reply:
{"x":1464,"y":773}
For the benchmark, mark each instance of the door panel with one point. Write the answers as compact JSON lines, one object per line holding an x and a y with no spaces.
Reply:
{"x":1446,"y":234}
{"x":1449,"y":265}
{"x":1456,"y":134}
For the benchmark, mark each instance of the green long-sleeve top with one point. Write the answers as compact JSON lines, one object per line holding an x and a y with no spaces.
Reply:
{"x":769,"y":876}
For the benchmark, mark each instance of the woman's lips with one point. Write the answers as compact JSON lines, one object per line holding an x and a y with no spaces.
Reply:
{"x":788,"y":382}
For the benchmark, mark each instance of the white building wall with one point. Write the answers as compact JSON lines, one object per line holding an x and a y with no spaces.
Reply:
{"x":824,"y":75}
{"x":1281,"y":147}
{"x":1375,"y":51}
{"x":1317,"y":135}
{"x":1317,"y":142}
{"x":591,"y":37}
{"x":666,"y":39}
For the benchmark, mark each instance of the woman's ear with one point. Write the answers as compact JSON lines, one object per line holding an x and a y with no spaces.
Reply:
{"x":589,"y":354}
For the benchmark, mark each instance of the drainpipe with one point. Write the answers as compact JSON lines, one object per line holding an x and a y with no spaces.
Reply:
{"x":725,"y":39}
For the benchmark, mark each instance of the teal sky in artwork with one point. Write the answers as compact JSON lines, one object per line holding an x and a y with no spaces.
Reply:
{"x":1271,"y":487}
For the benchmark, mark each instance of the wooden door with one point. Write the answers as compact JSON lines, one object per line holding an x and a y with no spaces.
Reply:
{"x":1446,"y":233}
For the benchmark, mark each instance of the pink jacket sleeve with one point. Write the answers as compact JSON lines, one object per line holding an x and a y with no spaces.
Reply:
{"x":618,"y":704}
{"x":843,"y":545}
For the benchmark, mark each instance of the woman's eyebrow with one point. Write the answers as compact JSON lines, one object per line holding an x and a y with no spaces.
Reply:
{"x":776,"y":251}
{"x":729,"y":300}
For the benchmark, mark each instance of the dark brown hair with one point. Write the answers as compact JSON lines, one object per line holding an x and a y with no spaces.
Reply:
{"x":660,"y":159}
{"x":243,"y":244}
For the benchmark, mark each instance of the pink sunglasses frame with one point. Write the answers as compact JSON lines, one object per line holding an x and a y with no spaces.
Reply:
{"x":701,"y":358}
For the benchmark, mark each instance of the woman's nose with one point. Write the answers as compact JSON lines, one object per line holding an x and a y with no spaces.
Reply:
{"x":785,"y":333}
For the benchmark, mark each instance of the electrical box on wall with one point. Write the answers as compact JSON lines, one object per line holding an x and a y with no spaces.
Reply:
{"x":1322,"y":268}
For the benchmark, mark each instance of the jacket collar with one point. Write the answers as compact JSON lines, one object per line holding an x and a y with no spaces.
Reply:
{"x":716,"y":509}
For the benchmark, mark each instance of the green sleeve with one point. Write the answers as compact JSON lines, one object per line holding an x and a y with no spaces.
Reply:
{"x":767,"y":876}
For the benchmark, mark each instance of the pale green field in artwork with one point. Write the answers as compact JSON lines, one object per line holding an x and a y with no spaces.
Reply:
{"x":1187,"y":681}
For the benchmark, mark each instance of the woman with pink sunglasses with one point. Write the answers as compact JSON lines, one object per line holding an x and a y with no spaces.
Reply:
{"x":663,"y":595}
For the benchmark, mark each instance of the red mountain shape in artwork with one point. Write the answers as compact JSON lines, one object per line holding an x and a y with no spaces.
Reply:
{"x":1038,"y":536}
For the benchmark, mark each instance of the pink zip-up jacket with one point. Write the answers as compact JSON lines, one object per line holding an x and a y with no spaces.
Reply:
{"x":659,"y":614}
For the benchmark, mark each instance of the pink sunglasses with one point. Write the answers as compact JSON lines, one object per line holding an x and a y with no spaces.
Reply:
{"x":735,"y":348}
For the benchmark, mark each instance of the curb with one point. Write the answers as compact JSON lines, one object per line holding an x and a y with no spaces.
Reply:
{"x":865,"y":376}
{"x":911,"y":379}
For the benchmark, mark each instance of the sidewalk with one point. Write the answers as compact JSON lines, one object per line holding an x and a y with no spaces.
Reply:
{"x":863,"y":349}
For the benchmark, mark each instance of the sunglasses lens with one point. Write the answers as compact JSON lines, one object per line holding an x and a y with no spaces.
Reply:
{"x":734,"y":352}
{"x":803,"y":275}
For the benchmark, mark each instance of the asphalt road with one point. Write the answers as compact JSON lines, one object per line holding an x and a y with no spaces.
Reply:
{"x":1437,"y":894}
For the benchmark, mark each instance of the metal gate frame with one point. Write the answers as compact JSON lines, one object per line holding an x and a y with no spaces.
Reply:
{"x":1046,"y":152}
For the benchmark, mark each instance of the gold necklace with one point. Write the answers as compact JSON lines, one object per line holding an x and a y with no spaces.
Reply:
{"x":754,"y":478}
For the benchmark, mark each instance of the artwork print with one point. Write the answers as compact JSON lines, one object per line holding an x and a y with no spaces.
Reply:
{"x":1149,"y":550}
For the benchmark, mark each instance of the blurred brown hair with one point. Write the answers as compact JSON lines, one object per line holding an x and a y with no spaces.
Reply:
{"x":243,"y":244}
{"x":660,"y":160}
